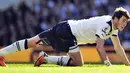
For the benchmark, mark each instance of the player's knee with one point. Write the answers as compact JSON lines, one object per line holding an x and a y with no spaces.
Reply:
{"x":32,"y":41}
{"x":76,"y":63}
{"x":79,"y":64}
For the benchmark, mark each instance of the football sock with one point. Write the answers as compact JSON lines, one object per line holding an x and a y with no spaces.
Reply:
{"x":16,"y":46}
{"x":59,"y":60}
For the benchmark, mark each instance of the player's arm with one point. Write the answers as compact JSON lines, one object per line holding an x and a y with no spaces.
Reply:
{"x":119,"y":50}
{"x":102,"y":52}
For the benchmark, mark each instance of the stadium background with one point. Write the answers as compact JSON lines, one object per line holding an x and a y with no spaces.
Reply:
{"x":21,"y":19}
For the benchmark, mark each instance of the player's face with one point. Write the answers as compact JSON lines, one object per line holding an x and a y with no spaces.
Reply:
{"x":122,"y":23}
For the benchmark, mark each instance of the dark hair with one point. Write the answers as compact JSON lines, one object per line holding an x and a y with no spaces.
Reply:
{"x":119,"y":12}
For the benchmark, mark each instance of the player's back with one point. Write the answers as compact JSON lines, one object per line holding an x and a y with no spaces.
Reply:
{"x":85,"y":29}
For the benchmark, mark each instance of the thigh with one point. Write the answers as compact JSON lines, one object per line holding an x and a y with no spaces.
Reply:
{"x":76,"y":57}
{"x":45,"y":38}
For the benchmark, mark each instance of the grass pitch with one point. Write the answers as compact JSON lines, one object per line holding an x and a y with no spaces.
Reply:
{"x":50,"y":68}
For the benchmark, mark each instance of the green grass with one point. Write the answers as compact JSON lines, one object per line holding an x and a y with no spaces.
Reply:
{"x":50,"y":68}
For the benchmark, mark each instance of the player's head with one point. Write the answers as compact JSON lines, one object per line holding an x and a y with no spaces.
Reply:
{"x":120,"y":17}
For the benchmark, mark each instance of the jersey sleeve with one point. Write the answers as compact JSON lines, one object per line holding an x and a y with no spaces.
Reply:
{"x":115,"y":33}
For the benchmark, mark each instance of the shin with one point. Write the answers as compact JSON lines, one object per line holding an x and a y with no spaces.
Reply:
{"x":59,"y":60}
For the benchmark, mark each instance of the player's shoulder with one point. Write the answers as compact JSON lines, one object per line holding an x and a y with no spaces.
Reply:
{"x":105,"y":22}
{"x":105,"y":17}
{"x":101,"y":18}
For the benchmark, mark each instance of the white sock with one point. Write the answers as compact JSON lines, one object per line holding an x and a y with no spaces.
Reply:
{"x":16,"y":46}
{"x":59,"y":60}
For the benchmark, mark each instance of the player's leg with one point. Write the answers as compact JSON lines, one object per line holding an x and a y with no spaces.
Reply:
{"x":17,"y":46}
{"x":44,"y":58}
{"x":74,"y":58}
{"x":26,"y":43}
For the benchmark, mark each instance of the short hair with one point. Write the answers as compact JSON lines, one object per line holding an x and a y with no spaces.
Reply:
{"x":119,"y":12}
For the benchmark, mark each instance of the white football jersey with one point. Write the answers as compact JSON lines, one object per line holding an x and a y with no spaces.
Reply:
{"x":87,"y":30}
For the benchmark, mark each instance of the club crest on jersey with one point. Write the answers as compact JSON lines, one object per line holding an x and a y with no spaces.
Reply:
{"x":106,"y":31}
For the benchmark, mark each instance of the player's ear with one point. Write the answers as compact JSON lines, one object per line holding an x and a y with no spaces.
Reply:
{"x":116,"y":19}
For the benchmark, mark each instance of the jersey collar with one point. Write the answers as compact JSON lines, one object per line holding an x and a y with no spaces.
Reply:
{"x":110,"y":24}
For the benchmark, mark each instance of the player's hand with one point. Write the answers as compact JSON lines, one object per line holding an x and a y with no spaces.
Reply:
{"x":127,"y":64}
{"x":107,"y":63}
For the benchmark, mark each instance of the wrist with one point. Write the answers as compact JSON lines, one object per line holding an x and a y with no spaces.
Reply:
{"x":107,"y":62}
{"x":127,"y":64}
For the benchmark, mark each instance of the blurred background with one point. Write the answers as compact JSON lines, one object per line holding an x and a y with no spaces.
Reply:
{"x":20,"y":19}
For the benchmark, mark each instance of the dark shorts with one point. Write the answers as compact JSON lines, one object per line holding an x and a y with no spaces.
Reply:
{"x":59,"y":37}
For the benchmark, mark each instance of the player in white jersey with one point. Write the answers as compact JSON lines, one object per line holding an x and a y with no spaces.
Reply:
{"x":91,"y":28}
{"x":67,"y":35}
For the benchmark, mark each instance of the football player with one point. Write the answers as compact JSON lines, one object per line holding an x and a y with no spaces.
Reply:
{"x":67,"y":35}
